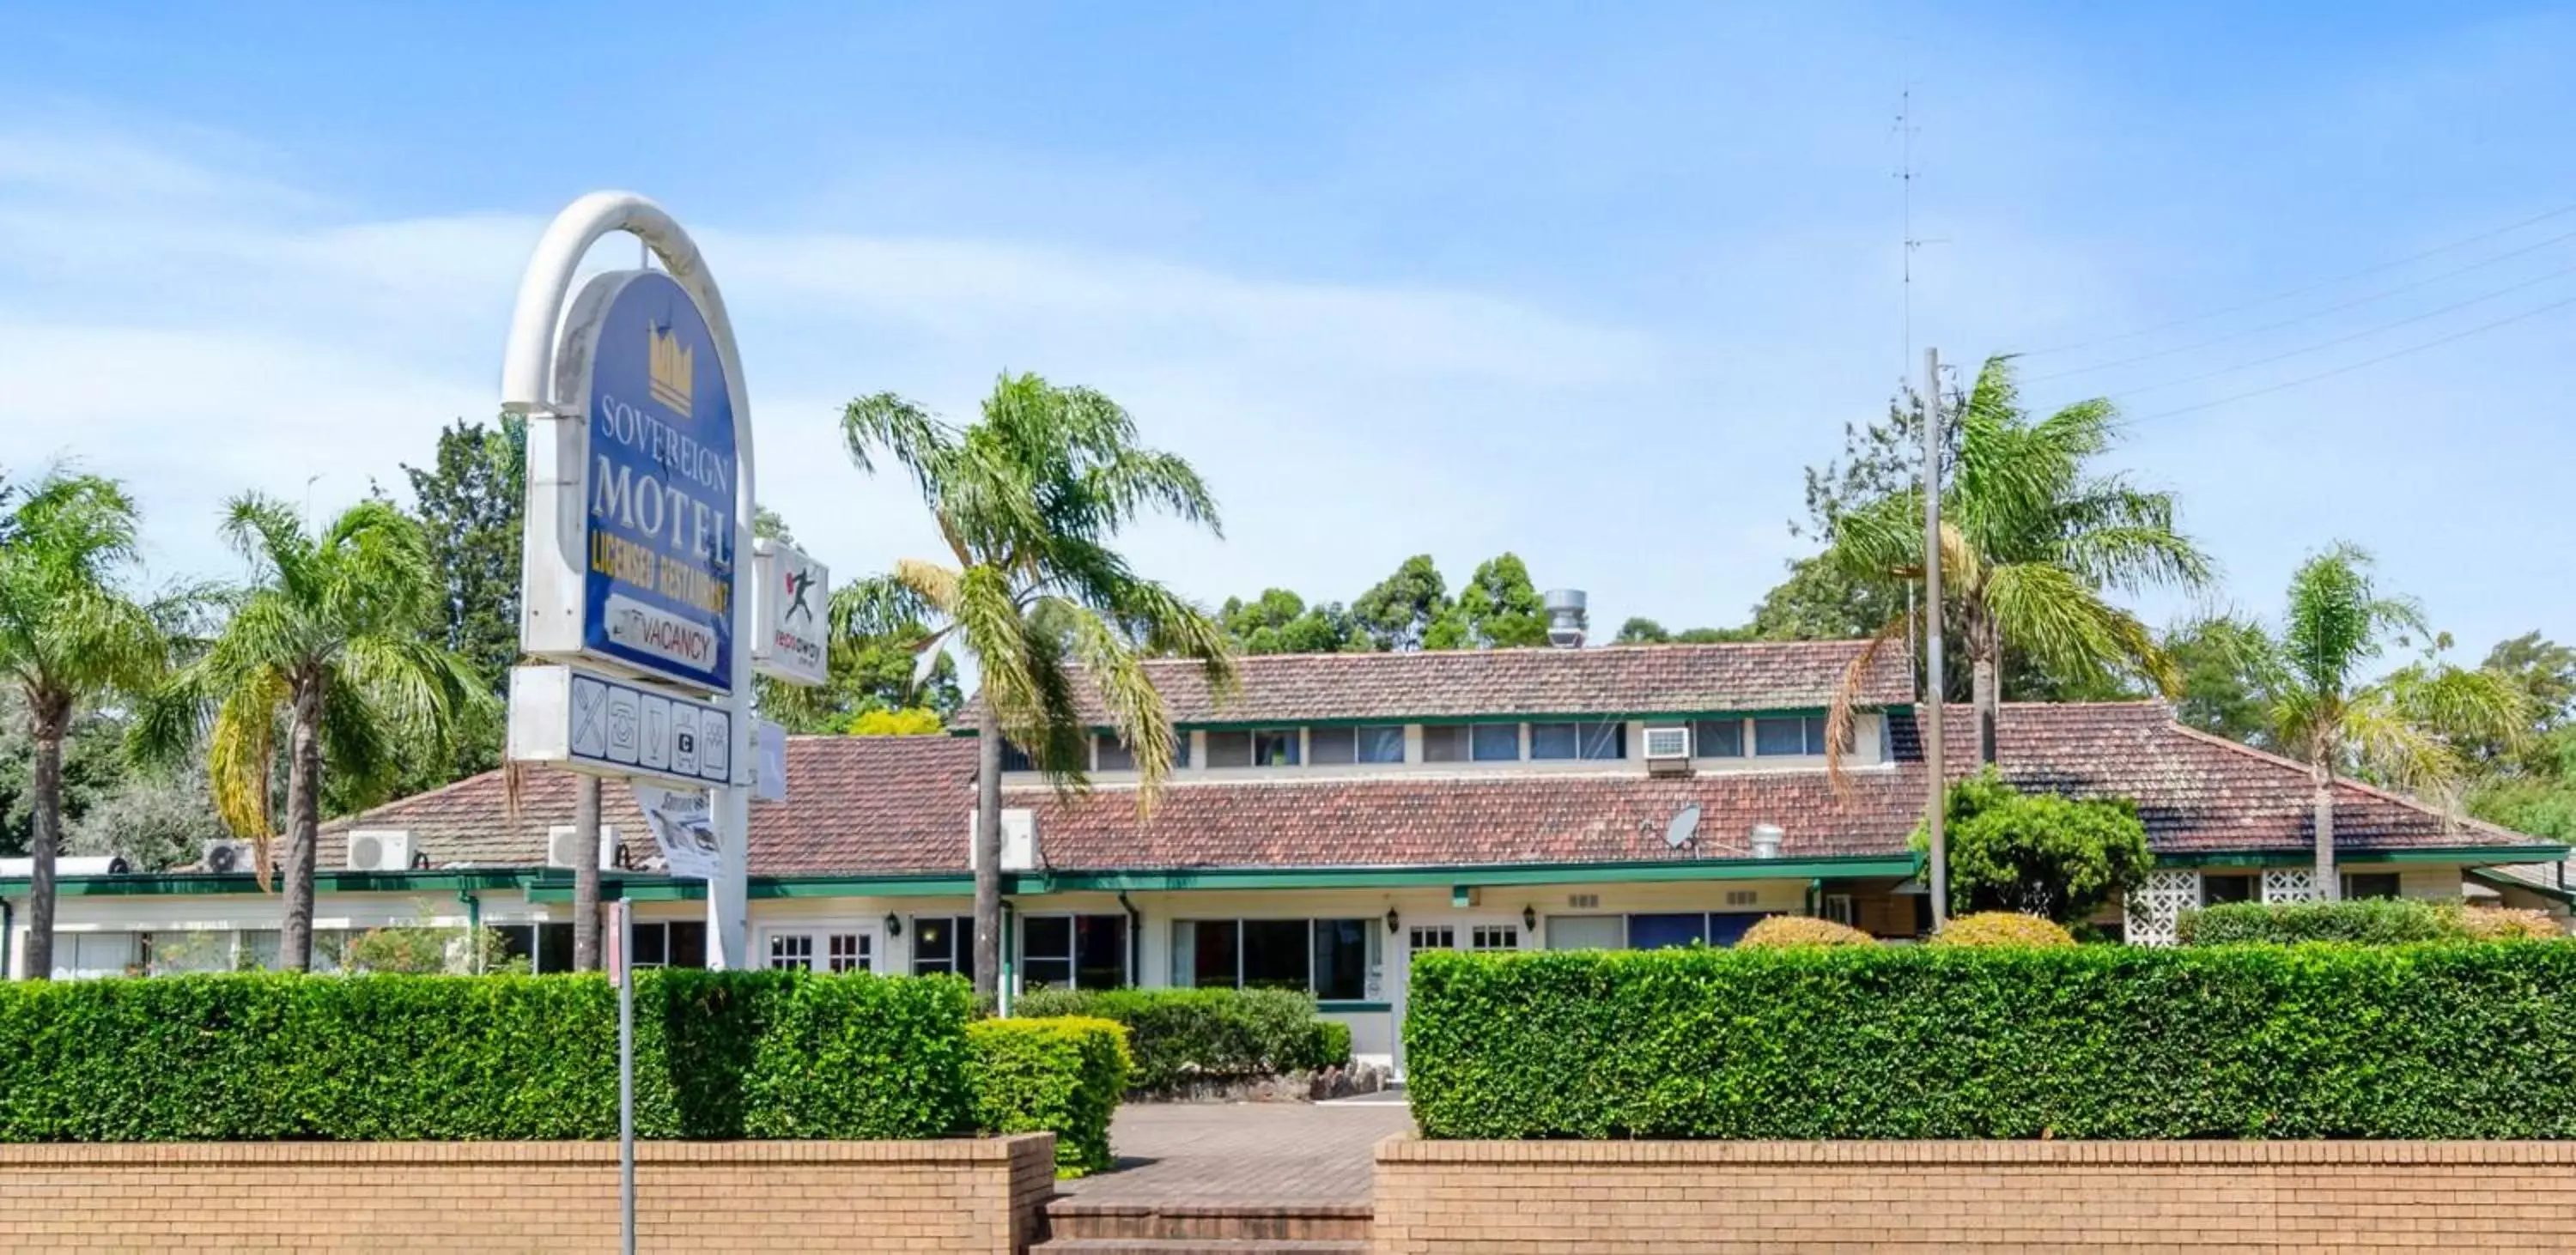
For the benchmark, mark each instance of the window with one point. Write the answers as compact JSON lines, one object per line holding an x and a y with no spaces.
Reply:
{"x":1072,"y":951}
{"x":1717,"y":738}
{"x":1662,"y":932}
{"x":794,"y":951}
{"x":1382,"y":743}
{"x":1590,"y":740}
{"x":1181,"y":739}
{"x":1331,"y":747}
{"x":1330,"y":958}
{"x":1275,"y":748}
{"x":259,"y":949}
{"x":1495,"y":742}
{"x":1789,"y":735}
{"x":1111,"y":754}
{"x":2215,"y":889}
{"x":943,"y":943}
{"x":554,"y":948}
{"x":80,"y":956}
{"x":177,"y":953}
{"x":1494,"y":937}
{"x":848,"y":952}
{"x":2370,"y":885}
{"x":1586,"y":932}
{"x":1229,"y":749}
{"x":1016,"y":759}
{"x":671,"y":943}
{"x":1839,"y":908}
{"x":1444,"y":743}
{"x":1433,"y":937}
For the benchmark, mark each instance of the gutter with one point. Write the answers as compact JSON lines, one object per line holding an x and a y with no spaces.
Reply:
{"x":1135,"y":939}
{"x":8,"y":938}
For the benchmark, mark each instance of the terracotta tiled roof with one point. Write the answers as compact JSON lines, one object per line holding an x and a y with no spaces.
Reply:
{"x":1614,"y":680}
{"x":900,"y":804}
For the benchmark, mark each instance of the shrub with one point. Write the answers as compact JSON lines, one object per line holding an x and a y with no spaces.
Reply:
{"x":2364,"y":921}
{"x":2038,"y":853}
{"x":434,"y":1058}
{"x":1803,"y":930}
{"x":1064,"y":1075}
{"x":2501,"y":924}
{"x":2116,"y":1042}
{"x":1184,"y":1034}
{"x":2003,"y":929}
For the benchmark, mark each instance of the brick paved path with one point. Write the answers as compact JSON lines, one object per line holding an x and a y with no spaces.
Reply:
{"x":1243,"y":1153}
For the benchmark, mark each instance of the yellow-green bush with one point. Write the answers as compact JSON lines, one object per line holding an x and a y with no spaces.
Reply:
{"x":1062,"y":1075}
{"x":1803,"y":930}
{"x":2003,"y":929}
{"x":2486,"y":923}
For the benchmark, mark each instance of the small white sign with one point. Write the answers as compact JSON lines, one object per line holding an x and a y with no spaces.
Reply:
{"x":611,"y":727}
{"x":791,"y":602}
{"x":683,"y":827}
{"x":769,"y":784}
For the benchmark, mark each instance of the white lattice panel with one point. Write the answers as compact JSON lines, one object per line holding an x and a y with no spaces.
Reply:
{"x":2290,"y":884}
{"x":2156,"y":906}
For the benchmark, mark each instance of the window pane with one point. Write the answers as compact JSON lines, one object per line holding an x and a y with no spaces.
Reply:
{"x":1229,"y":749}
{"x":1496,"y":742}
{"x":2370,"y":885}
{"x":1657,"y":932}
{"x":1585,"y":932}
{"x":1100,"y":951}
{"x":1181,"y":747}
{"x":1214,"y":940}
{"x":1341,"y":957}
{"x":688,"y":943}
{"x":934,"y":944}
{"x":1015,"y":759}
{"x":652,"y":945}
{"x":791,"y":951}
{"x":1275,"y":748}
{"x":518,"y":941}
{"x":1046,"y":936}
{"x":1494,"y":937}
{"x":1603,"y":740}
{"x":849,"y":952}
{"x":1779,"y":736}
{"x":1433,"y":937}
{"x":1114,"y":754}
{"x":2215,"y":889}
{"x":554,"y":947}
{"x":1444,"y":743}
{"x":1726,"y":928}
{"x":1816,"y":734}
{"x":261,"y":945}
{"x":1717,"y":738}
{"x":1327,"y":747}
{"x":1046,"y":973}
{"x":1382,"y":744}
{"x":1274,"y":954}
{"x":1551,"y":740}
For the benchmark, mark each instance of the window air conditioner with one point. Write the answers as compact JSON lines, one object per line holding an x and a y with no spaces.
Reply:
{"x":1668,"y":751}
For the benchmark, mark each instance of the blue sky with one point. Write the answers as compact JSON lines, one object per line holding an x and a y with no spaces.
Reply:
{"x":1590,"y":283}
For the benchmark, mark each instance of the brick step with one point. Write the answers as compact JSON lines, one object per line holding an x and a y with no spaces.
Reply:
{"x":1201,"y":1246}
{"x":1073,"y":1218}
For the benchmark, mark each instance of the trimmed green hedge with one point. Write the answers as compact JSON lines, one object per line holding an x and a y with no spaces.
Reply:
{"x":1184,"y":1034}
{"x":2436,"y":1041}
{"x":508,"y":1058}
{"x":1064,"y":1075}
{"x":2365,"y":921}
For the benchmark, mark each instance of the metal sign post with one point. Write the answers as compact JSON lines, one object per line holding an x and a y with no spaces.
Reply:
{"x":621,"y":964}
{"x":1937,"y":812}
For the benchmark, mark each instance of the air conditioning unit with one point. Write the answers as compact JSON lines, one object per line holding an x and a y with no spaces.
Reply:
{"x":379,"y":850}
{"x":1668,"y":751}
{"x":226,"y":857}
{"x":561,"y":845}
{"x":1019,"y":839}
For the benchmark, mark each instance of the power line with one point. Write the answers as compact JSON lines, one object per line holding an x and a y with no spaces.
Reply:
{"x":2347,"y":369}
{"x":2382,"y":294}
{"x":2348,"y":338}
{"x":2304,"y":289}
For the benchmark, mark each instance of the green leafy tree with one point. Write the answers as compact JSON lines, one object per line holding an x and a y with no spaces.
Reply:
{"x":154,"y":820}
{"x":1280,"y":622}
{"x":1028,"y":499}
{"x":915,"y":722}
{"x":72,"y":633}
{"x":1399,"y":612}
{"x":1641,"y":631}
{"x":2033,"y":540}
{"x":2219,"y":659}
{"x":1498,"y":608}
{"x":1822,"y":601}
{"x":336,"y":639}
{"x":2545,"y":672}
{"x":2038,"y":853}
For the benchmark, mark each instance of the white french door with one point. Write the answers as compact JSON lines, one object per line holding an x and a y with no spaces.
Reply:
{"x":825,"y":948}
{"x":1500,"y":933}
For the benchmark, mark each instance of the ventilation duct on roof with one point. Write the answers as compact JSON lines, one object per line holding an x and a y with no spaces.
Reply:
{"x":1565,"y":617}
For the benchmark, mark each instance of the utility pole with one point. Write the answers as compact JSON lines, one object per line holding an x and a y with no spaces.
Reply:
{"x":1937,"y":809}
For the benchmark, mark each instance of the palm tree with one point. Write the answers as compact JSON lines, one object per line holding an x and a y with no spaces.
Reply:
{"x":2031,"y":541}
{"x":338,"y":637}
{"x":2402,"y":728}
{"x":1027,"y":500}
{"x":70,"y":634}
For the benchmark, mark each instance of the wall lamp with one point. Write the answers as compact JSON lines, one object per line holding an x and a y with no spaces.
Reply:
{"x":1393,"y":921}
{"x":1529,"y":918}
{"x":894,"y":925}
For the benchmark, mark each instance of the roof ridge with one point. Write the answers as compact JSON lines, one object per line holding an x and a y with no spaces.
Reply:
{"x":1493,"y":651}
{"x":2410,"y":802}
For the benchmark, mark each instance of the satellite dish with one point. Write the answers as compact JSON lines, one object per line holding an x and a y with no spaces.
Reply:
{"x":1683,"y":828}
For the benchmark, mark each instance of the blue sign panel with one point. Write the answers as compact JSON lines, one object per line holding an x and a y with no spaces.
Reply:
{"x":659,"y":588}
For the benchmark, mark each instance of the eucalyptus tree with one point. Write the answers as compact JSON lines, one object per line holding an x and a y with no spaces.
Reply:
{"x":2033,"y":541}
{"x":72,"y":633}
{"x":1027,"y":500}
{"x":338,"y":640}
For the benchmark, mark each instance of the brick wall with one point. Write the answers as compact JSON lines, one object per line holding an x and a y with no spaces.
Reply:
{"x":1923,"y":1198}
{"x":972,"y":1196}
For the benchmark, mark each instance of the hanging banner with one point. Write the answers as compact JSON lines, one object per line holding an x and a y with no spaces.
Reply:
{"x":657,"y":480}
{"x":683,"y":827}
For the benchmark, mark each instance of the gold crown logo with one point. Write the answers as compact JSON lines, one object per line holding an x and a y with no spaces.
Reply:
{"x":674,"y":367}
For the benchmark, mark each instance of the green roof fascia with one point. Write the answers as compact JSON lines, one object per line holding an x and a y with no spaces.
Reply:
{"x":1430,"y":721}
{"x":181,"y":884}
{"x":2301,"y":856}
{"x":1835,"y":867}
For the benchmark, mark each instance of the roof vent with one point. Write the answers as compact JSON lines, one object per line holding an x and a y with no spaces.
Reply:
{"x":1565,"y":617}
{"x":1766,"y":840}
